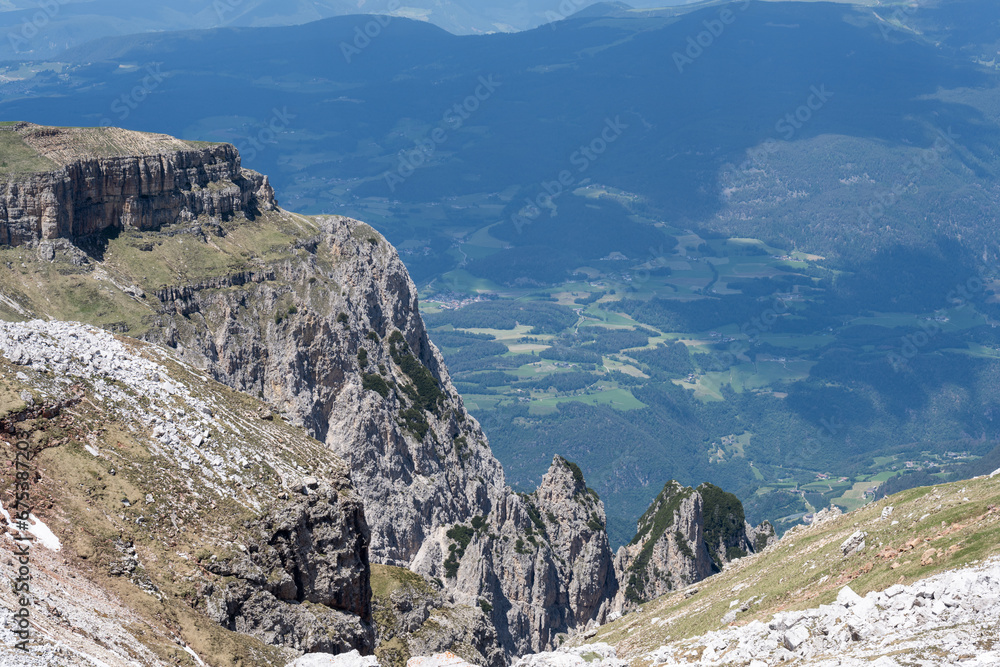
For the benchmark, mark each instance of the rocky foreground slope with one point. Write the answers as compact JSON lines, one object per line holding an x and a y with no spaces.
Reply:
{"x":183,"y":518}
{"x":913,"y":579}
{"x":177,"y":245}
{"x":950,"y":618}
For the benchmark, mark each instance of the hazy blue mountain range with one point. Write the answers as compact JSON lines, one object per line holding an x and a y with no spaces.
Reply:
{"x":44,"y":28}
{"x":752,"y":244}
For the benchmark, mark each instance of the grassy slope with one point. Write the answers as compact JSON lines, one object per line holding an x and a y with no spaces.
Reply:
{"x":80,"y":497}
{"x":149,"y":260}
{"x":806,"y":568}
{"x":19,"y":157}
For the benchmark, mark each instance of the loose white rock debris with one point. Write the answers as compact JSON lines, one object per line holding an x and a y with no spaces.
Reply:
{"x":948,"y":619}
{"x":72,"y":350}
{"x":446,"y":659}
{"x":140,"y":384}
{"x":592,"y":655}
{"x":352,"y":659}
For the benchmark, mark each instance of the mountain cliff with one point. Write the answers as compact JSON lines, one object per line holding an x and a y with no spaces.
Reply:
{"x":177,"y":246}
{"x":75,"y":182}
{"x":685,"y":536}
{"x":319,"y":318}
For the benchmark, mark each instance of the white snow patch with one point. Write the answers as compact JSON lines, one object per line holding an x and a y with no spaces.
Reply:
{"x":92,"y":450}
{"x":37,"y":528}
{"x":47,"y":538}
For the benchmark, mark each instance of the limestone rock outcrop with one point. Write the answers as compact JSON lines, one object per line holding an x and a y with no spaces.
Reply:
{"x":685,"y":536}
{"x":541,"y":561}
{"x":416,"y":616}
{"x":90,"y":193}
{"x":304,"y":580}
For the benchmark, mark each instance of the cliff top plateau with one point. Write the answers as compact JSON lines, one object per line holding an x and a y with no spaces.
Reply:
{"x":28,"y":148}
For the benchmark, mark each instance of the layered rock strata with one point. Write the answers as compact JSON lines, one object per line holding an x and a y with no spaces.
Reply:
{"x":90,"y":194}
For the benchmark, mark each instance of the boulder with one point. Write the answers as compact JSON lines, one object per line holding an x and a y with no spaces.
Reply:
{"x":795,"y":637}
{"x":853,"y":544}
{"x":446,"y":659}
{"x":351,"y":659}
{"x":847,"y":597}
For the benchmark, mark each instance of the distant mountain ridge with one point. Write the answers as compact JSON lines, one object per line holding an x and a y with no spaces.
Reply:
{"x":43,"y":30}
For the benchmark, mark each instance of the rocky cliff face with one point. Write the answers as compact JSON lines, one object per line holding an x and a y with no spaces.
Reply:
{"x":351,"y":362}
{"x":541,"y":561}
{"x":160,"y":182}
{"x":304,"y":580}
{"x":334,"y":340}
{"x":320,"y":319}
{"x":575,"y":523}
{"x":685,"y":536}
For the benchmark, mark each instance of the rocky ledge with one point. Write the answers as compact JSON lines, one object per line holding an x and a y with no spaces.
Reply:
{"x":107,"y":178}
{"x":170,"y":496}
